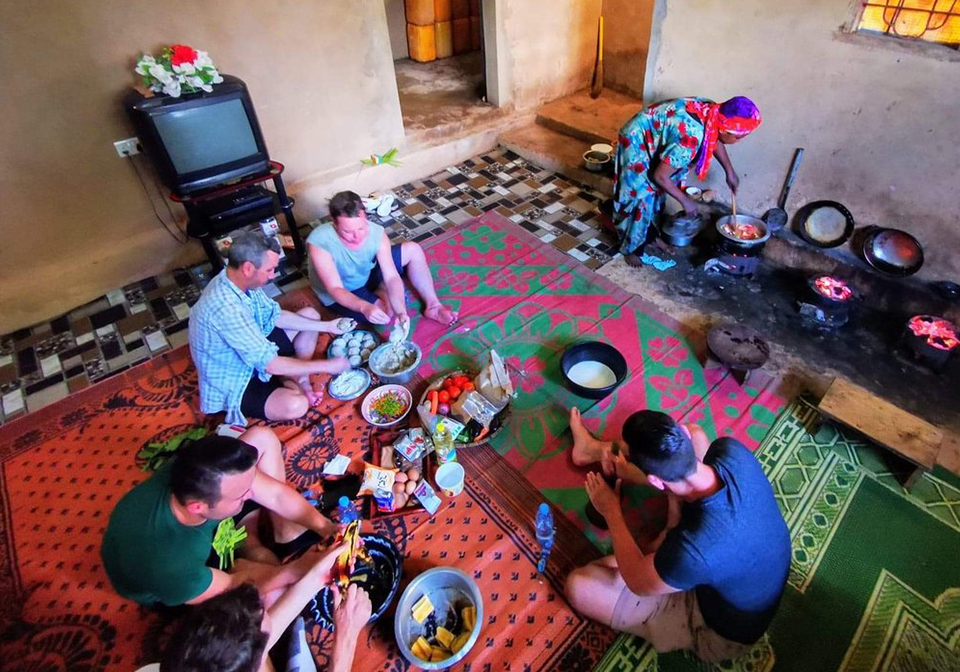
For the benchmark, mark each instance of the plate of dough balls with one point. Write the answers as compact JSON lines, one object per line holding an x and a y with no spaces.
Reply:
{"x":355,"y":345}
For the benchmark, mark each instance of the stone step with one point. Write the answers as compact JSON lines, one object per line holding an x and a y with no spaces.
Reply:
{"x":557,"y":152}
{"x":581,"y":117}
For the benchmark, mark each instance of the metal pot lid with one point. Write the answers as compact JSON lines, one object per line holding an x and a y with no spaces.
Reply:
{"x":893,"y":251}
{"x":825,"y":223}
{"x":727,"y":226}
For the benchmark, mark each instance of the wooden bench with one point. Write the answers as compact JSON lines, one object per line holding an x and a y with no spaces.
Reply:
{"x":887,"y":425}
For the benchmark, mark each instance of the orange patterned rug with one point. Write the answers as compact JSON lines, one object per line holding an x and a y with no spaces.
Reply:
{"x":64,"y":468}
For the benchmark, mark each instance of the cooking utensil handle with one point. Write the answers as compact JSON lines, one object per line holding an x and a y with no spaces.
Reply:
{"x":797,"y":157}
{"x":733,"y":202}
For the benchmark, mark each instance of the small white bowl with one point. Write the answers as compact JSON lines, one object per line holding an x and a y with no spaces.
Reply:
{"x":378,"y":392}
{"x":602,"y":147}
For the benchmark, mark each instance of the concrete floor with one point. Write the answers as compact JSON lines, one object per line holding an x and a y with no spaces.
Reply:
{"x":443,"y":94}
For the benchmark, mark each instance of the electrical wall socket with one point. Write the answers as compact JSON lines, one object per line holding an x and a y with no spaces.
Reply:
{"x":127,"y":147}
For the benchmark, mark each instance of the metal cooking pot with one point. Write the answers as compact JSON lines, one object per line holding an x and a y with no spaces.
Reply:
{"x":680,"y":231}
{"x":892,"y":251}
{"x":740,"y":220}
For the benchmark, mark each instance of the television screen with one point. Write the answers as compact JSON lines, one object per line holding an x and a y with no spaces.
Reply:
{"x":211,"y":135}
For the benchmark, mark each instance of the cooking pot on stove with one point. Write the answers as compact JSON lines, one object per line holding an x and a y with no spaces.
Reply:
{"x":892,"y":251}
{"x":733,"y":227}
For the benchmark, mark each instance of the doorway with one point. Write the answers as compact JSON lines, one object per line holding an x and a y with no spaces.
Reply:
{"x":440,"y":58}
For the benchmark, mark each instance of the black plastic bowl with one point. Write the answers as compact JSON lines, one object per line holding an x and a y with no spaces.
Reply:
{"x":593,"y":351}
{"x":382,"y":585}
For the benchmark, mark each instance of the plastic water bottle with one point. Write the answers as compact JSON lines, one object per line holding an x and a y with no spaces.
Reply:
{"x":545,"y":532}
{"x":443,"y":443}
{"x":348,"y":511}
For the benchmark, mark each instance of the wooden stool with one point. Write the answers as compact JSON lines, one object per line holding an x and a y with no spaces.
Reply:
{"x":887,"y":425}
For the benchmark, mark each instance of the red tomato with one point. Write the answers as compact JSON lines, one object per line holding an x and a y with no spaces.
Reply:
{"x":468,"y":386}
{"x":444,"y":397}
{"x":448,"y":382}
{"x":454,"y":391}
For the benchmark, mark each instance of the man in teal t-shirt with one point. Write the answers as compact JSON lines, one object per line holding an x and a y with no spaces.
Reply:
{"x":159,"y":538}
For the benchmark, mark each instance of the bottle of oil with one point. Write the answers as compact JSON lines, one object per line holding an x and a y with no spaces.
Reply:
{"x":443,"y":443}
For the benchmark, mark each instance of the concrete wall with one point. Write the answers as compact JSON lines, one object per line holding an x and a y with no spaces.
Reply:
{"x":74,"y":220}
{"x":878,"y":123}
{"x":627,"y":25}
{"x":397,"y":26}
{"x":546,"y":47}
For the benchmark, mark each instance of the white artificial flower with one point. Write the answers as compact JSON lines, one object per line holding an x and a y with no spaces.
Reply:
{"x":217,"y":79}
{"x":143,"y":65}
{"x":195,"y":82}
{"x":182,"y":78}
{"x":206,"y":87}
{"x":187,"y":68}
{"x":172,"y":89}
{"x":202,"y":60}
{"x":161,"y":74}
{"x":175,"y":68}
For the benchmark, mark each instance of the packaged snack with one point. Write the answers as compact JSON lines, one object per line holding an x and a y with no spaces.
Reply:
{"x":413,"y":445}
{"x":474,"y":406}
{"x":385,"y":499}
{"x":376,"y":478}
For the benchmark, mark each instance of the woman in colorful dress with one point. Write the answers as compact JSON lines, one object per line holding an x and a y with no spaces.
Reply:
{"x":656,"y":149}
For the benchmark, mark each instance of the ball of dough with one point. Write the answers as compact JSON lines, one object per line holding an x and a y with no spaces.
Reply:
{"x":366,"y":352}
{"x":355,"y":360}
{"x":340,"y":342}
{"x":353,"y":350}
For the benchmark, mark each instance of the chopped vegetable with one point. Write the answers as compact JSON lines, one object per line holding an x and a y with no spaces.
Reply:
{"x":422,"y":609}
{"x":388,"y":407}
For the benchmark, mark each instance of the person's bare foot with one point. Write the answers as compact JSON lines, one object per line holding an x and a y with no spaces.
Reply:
{"x":632,"y":260}
{"x":440,"y":313}
{"x":586,"y":448}
{"x":312,"y":390}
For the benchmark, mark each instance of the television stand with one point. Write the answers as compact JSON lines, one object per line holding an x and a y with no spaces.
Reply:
{"x":201,"y":227}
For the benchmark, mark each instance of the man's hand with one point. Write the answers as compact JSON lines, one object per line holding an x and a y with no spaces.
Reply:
{"x":352,"y":612}
{"x":337,"y":365}
{"x":733,"y":181}
{"x":374,"y":315}
{"x":605,"y":500}
{"x":322,"y":562}
{"x":403,"y":321}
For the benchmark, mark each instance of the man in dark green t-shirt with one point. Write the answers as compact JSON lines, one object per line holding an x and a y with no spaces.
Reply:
{"x":160,"y":534}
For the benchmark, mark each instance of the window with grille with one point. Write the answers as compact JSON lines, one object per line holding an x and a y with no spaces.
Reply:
{"x":928,"y":20}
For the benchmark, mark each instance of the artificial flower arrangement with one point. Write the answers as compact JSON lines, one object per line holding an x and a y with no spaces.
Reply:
{"x":178,"y":69}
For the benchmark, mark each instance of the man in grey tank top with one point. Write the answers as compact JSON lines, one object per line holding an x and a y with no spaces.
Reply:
{"x":357,"y":273}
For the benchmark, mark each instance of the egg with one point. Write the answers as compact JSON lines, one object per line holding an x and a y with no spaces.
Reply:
{"x":410,"y":486}
{"x":400,"y":477}
{"x":399,"y":488}
{"x":400,"y":501}
{"x":413,"y":474}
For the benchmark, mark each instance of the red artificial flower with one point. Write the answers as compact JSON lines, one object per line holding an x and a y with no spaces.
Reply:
{"x":182,"y":54}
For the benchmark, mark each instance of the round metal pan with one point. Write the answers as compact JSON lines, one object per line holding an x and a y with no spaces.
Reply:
{"x":825,"y":224}
{"x":893,"y":252}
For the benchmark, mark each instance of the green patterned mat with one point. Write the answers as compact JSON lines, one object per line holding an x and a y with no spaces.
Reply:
{"x":875,"y":577}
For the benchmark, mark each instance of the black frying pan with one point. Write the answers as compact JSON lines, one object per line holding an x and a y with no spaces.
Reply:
{"x":825,"y":223}
{"x":892,"y":251}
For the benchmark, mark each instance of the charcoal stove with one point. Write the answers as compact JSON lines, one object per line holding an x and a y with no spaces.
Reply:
{"x":738,"y":249}
{"x":930,"y":340}
{"x":826,"y":301}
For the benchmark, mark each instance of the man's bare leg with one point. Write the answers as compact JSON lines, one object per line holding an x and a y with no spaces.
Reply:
{"x":271,"y":463}
{"x":415,"y":265}
{"x":305,"y":347}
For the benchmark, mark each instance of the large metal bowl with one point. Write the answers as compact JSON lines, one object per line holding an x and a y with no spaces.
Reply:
{"x":446,"y":587}
{"x":397,"y":377}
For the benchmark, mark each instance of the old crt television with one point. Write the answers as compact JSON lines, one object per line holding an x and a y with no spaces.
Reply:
{"x":199,"y":141}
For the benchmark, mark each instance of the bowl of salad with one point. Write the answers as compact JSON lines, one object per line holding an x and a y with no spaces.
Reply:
{"x":386,"y":405}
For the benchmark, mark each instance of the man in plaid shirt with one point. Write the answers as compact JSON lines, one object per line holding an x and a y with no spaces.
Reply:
{"x":254,"y":358}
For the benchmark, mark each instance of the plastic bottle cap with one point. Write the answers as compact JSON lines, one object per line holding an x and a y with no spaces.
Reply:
{"x":544,"y":509}
{"x":344,"y":502}
{"x":441,"y":427}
